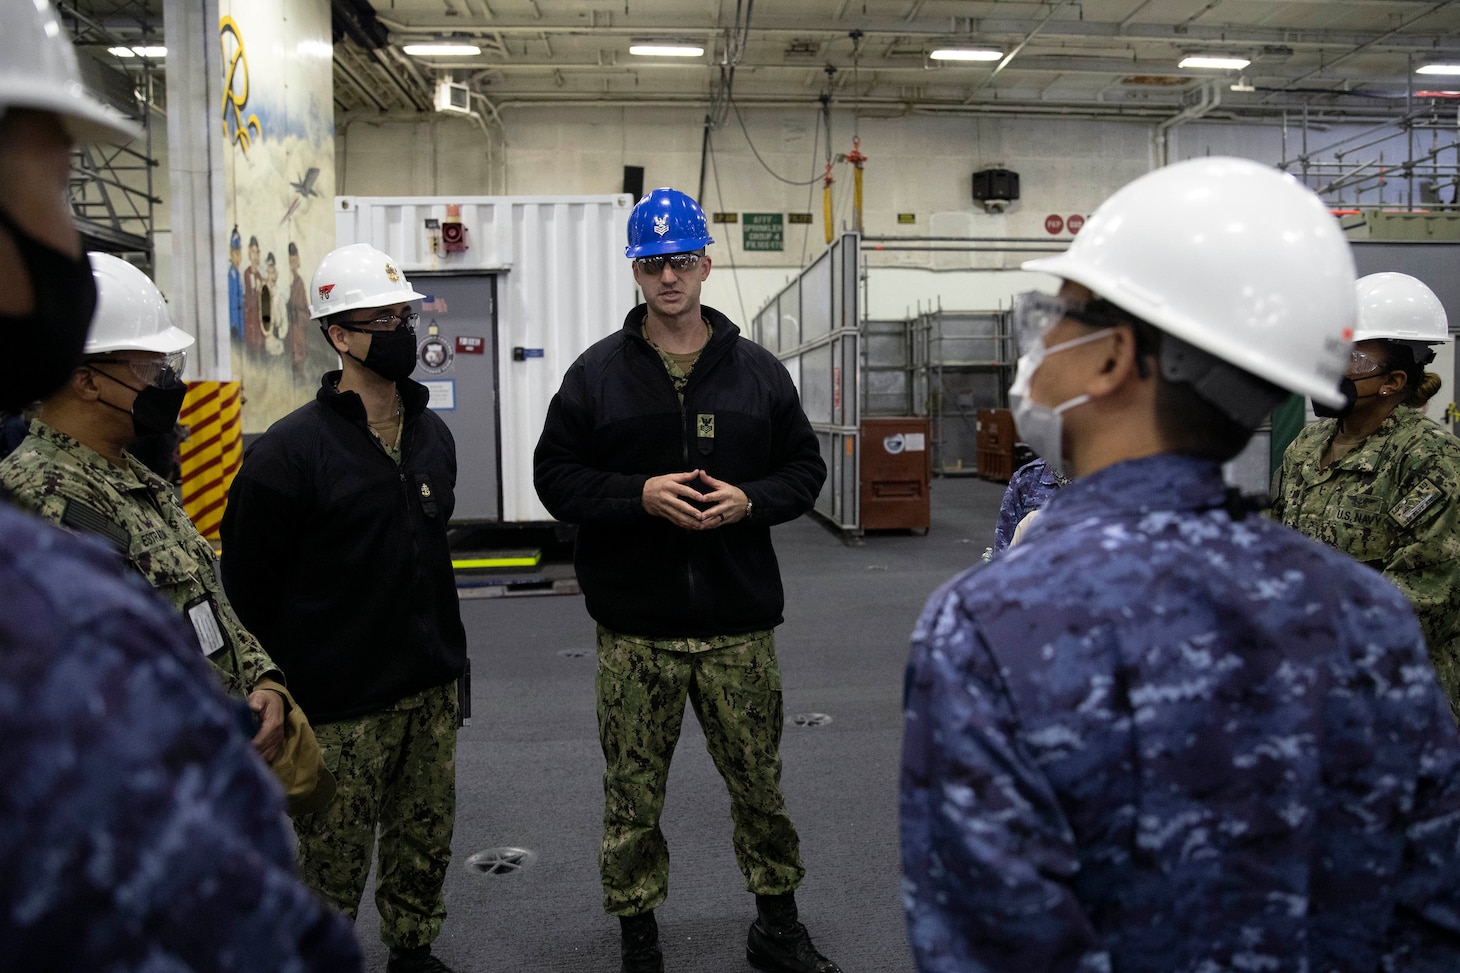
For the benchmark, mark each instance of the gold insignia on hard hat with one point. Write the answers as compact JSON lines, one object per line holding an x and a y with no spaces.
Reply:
{"x":391,"y":273}
{"x":425,"y":492}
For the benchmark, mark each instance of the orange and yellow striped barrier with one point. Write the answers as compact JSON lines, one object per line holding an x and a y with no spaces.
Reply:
{"x":212,"y":452}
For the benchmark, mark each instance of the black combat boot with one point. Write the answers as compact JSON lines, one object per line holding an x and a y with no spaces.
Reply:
{"x":416,"y":960}
{"x":779,"y":943}
{"x":640,"y":947}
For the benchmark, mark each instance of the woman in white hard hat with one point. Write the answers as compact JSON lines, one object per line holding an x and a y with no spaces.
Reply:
{"x":1374,"y":477}
{"x":138,"y":830}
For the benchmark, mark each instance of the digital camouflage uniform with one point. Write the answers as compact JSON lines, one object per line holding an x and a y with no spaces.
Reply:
{"x":1029,"y":488}
{"x":1159,"y":736}
{"x":734,"y":686}
{"x":396,"y":767}
{"x":138,"y":830}
{"x":1392,"y":503}
{"x":137,"y":512}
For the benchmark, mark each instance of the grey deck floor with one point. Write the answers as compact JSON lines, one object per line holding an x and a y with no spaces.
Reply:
{"x":529,"y":767}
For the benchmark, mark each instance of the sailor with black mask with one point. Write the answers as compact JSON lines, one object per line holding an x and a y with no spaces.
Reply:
{"x":337,"y":556}
{"x":74,"y":468}
{"x":1376,"y":478}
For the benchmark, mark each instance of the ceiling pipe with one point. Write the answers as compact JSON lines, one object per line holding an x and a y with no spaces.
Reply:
{"x":1211,"y":98}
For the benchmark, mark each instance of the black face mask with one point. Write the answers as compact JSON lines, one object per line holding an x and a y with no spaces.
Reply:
{"x":42,"y":348}
{"x":1350,"y":392}
{"x":156,"y":407}
{"x":392,"y":354}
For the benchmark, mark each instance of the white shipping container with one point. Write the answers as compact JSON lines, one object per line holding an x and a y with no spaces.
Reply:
{"x":541,"y":279}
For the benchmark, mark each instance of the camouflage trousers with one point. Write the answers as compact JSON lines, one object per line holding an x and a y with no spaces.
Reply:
{"x":736,"y":694}
{"x":396,"y":770}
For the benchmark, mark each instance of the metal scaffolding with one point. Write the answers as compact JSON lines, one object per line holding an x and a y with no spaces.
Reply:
{"x":112,"y":190}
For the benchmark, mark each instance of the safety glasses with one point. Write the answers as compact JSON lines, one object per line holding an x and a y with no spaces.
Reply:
{"x":678,"y":262}
{"x":384,"y":323}
{"x":1363,"y":365}
{"x":1035,"y":313}
{"x":161,"y":370}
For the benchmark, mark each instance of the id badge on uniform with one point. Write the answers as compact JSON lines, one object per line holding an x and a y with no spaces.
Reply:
{"x":205,"y":625}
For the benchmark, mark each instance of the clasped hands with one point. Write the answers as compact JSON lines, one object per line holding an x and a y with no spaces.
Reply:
{"x":673,"y":495}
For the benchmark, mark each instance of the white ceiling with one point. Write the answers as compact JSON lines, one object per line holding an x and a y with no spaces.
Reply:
{"x":1090,"y":58}
{"x":1325,"y":58}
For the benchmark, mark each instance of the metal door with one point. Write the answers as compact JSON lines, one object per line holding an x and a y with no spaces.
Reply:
{"x":456,"y":358}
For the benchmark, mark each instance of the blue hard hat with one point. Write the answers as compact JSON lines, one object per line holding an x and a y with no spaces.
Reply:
{"x":666,"y":221}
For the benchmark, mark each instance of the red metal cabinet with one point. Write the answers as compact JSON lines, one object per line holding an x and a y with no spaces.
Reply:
{"x":895,"y":473}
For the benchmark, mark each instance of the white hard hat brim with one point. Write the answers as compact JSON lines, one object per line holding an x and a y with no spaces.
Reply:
{"x":85,"y":119}
{"x":1397,"y":335}
{"x":1256,"y":360}
{"x":166,"y":342}
{"x":373,"y":301}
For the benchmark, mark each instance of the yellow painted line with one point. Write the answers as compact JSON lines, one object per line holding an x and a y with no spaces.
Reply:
{"x":515,"y":561}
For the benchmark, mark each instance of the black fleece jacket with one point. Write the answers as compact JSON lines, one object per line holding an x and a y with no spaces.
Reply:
{"x":337,"y":560}
{"x":616,"y":422}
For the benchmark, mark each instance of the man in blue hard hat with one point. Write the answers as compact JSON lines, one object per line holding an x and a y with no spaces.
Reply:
{"x":675,"y":446}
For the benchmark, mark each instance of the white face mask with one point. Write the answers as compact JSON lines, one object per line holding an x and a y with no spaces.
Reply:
{"x":1041,"y":427}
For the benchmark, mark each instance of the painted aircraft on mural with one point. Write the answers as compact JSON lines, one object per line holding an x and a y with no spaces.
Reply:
{"x":305,"y":188}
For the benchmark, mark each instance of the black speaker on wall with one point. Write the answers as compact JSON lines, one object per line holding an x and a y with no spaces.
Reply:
{"x":634,"y":181}
{"x":999,"y":185}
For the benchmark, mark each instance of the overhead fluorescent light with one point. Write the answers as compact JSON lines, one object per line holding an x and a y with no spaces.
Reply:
{"x":1213,"y":61}
{"x":666,"y":50}
{"x":441,"y":50}
{"x":1448,"y":68}
{"x":966,"y":54}
{"x":152,"y":52}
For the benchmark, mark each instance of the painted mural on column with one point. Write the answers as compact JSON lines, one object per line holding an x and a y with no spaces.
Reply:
{"x":279,"y":185}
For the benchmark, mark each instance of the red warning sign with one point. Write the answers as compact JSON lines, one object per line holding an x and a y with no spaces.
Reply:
{"x":1053,"y":223}
{"x":1075,"y":223}
{"x":469,"y":345}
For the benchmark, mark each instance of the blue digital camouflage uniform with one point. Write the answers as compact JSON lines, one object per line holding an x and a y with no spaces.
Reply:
{"x":138,"y":830}
{"x":1031,"y":485}
{"x":57,"y":478}
{"x":1160,"y":737}
{"x":1394,"y":504}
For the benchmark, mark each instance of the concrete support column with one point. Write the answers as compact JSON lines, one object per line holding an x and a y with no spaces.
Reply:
{"x":195,"y":144}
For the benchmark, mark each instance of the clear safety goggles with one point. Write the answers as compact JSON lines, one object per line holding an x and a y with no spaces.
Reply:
{"x":1363,"y":365}
{"x":158,"y":370}
{"x":678,"y":262}
{"x":1034,"y":313}
{"x":384,"y":323}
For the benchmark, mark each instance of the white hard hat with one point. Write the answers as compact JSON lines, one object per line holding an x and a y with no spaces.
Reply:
{"x":38,"y":71}
{"x":357,"y":276}
{"x":1400,"y":308}
{"x":1233,"y":257}
{"x":130,"y":312}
